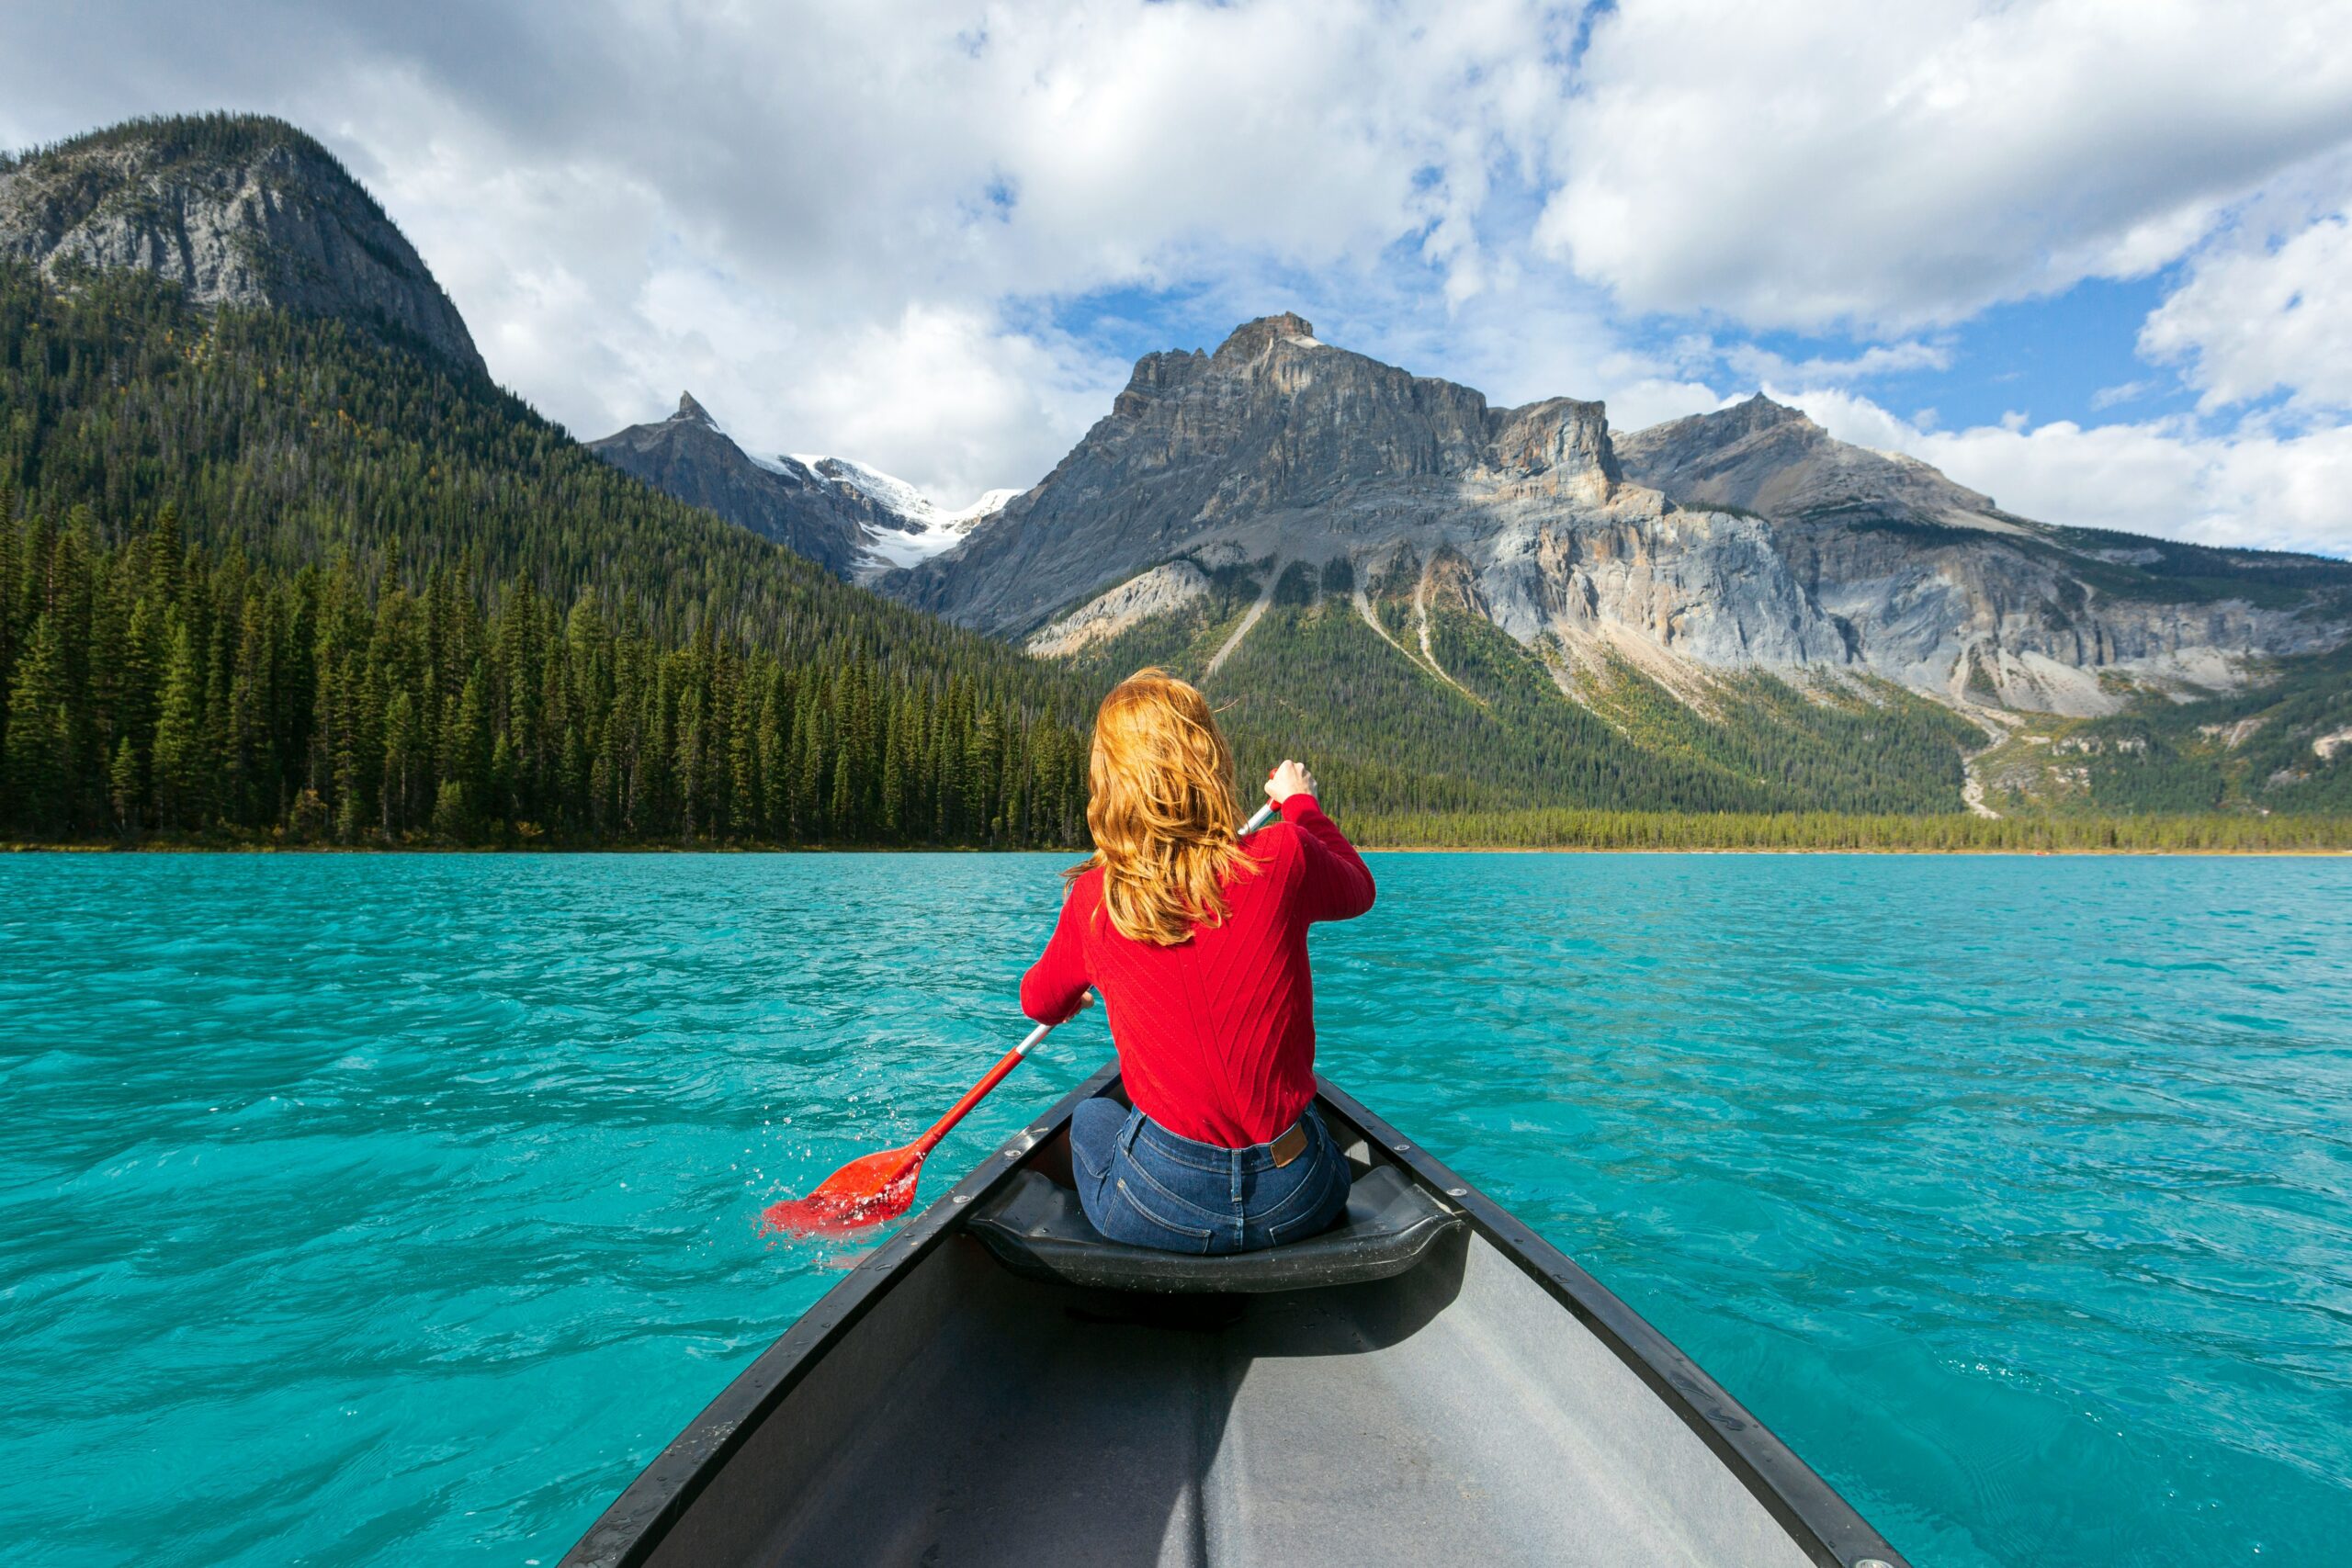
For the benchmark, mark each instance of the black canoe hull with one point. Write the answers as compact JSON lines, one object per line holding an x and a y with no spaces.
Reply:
{"x":1564,"y":1427}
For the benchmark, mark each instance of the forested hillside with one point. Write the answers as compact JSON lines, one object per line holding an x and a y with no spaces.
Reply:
{"x":2283,"y":747}
{"x":271,"y":576}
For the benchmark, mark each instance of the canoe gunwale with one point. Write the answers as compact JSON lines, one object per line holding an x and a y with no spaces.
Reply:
{"x":1821,"y":1522}
{"x":628,"y":1532}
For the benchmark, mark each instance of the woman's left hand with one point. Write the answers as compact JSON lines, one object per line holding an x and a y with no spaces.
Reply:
{"x":1291,"y":778}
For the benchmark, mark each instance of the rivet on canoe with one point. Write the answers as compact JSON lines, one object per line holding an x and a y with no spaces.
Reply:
{"x":1464,"y":1193}
{"x":962,"y":1197}
{"x":1402,"y":1147}
{"x":1871,"y":1562}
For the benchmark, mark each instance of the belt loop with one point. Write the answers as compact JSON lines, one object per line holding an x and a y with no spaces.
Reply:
{"x":1128,"y":1133}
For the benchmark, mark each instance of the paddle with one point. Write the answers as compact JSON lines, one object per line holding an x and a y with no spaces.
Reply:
{"x":881,"y":1187}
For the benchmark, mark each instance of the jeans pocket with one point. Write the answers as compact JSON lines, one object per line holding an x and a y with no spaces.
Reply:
{"x":1175,"y":1235}
{"x":1096,"y":1129}
{"x":1329,"y":1192}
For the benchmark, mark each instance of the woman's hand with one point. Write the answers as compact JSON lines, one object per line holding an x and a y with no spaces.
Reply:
{"x":1291,"y":778}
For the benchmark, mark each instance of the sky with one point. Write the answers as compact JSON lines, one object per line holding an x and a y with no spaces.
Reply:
{"x":2092,"y":258}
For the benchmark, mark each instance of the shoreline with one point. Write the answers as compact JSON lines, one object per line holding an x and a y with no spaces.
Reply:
{"x":420,"y":850}
{"x":1856,"y":849}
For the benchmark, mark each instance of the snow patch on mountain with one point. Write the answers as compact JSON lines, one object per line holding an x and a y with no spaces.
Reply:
{"x":903,"y":525}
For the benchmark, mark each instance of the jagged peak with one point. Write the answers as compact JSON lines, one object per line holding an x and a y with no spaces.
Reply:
{"x":690,"y":410}
{"x":1760,"y":411}
{"x":1252,"y":338}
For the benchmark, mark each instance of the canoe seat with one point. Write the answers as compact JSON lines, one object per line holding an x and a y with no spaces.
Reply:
{"x":1036,"y":1229}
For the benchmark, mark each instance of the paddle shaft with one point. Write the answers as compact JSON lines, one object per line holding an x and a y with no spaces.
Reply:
{"x":1011,"y":1059}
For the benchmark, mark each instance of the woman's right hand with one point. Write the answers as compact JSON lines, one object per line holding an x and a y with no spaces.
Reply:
{"x":1291,"y":778}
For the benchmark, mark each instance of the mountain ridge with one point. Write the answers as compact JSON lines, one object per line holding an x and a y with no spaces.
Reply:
{"x":1763,"y":542}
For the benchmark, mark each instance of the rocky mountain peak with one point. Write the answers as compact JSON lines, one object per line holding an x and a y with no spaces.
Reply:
{"x":693,"y":411}
{"x":1760,"y":412}
{"x":1251,"y":339}
{"x":238,"y":209}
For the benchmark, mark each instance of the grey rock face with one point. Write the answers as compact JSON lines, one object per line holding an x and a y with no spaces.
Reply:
{"x":687,"y":456}
{"x":244,"y":211}
{"x":1159,"y":591}
{"x":1746,"y":539}
{"x":1763,"y":456}
{"x":1276,"y":441}
{"x":1942,"y":592}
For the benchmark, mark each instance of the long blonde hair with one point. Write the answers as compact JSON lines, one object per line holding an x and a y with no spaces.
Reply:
{"x":1162,"y":810}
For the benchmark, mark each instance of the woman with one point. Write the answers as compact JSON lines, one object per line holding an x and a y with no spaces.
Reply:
{"x":1196,"y":942}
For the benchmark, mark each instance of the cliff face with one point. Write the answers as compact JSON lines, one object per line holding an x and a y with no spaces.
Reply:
{"x":238,"y":210}
{"x":1936,"y":587}
{"x":1746,"y":539}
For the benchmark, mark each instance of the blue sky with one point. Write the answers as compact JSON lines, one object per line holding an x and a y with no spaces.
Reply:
{"x":2090,"y":257}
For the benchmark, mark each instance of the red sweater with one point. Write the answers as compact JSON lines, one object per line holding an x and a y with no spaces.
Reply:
{"x":1215,"y":1034}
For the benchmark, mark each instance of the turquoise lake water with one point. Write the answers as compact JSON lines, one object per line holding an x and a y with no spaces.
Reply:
{"x":385,"y":1209}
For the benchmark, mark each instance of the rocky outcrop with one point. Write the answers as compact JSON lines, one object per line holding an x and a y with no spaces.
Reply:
{"x":1161,"y":590}
{"x":1763,"y":456}
{"x":238,"y":210}
{"x":1940,"y":591}
{"x":1747,"y":538}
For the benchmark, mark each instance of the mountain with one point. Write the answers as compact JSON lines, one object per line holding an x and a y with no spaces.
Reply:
{"x":854,"y":521}
{"x":271,"y":573}
{"x":687,"y":456}
{"x":1743,"y":540}
{"x":278,"y":563}
{"x":237,"y":209}
{"x":1475,"y":608}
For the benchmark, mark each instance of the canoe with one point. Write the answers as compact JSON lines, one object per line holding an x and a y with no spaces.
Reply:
{"x":1428,"y":1383}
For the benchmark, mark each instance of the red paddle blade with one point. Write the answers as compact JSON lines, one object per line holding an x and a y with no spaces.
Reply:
{"x":864,"y":1193}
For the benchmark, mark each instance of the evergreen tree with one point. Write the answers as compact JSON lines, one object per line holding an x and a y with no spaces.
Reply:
{"x":40,"y":732}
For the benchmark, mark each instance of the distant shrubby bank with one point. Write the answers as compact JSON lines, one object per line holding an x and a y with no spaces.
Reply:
{"x":1544,"y":830}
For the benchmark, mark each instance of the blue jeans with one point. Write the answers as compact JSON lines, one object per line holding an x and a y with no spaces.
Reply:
{"x":1143,"y":1185}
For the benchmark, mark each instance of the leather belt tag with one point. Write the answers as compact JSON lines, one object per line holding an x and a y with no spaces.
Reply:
{"x":1290,"y":1145}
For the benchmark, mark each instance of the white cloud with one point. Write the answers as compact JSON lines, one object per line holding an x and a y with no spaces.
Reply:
{"x":627,"y":196}
{"x":2250,"y":321}
{"x":1849,"y":162}
{"x":850,"y":228}
{"x":1756,"y":364}
{"x":2122,"y":392}
{"x":2161,"y":477}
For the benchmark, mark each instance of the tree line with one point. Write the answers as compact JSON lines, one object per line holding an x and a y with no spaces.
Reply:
{"x":153,"y":688}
